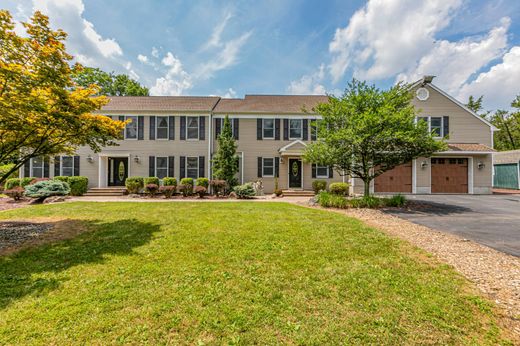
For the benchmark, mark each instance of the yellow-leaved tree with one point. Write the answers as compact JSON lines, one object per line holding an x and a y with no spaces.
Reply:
{"x":42,"y":111}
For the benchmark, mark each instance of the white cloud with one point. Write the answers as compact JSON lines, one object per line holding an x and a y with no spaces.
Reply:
{"x":454,"y":62}
{"x":499,"y":85}
{"x":309,"y":84}
{"x":214,"y":40}
{"x":155,"y":52}
{"x":143,"y":58}
{"x":227,"y":57}
{"x":83,"y":41}
{"x":175,"y":81}
{"x":386,"y":36}
{"x":230,"y":94}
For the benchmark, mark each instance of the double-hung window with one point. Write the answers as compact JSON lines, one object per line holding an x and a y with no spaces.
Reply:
{"x":322,"y":171}
{"x":295,"y":128}
{"x":67,"y":166}
{"x":268,"y":128}
{"x":37,"y":167}
{"x":192,"y":167}
{"x":268,"y":167}
{"x":436,"y":126}
{"x":192,"y":127}
{"x":131,"y":127}
{"x":161,"y":167}
{"x":161,"y":130}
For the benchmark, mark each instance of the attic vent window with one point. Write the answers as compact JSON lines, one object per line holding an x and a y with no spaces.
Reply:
{"x":422,"y":94}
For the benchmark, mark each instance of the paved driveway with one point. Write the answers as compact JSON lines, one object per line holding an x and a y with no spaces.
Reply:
{"x":492,"y":220}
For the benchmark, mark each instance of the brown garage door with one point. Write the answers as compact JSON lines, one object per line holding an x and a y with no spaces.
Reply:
{"x":398,"y":179}
{"x":449,"y":175}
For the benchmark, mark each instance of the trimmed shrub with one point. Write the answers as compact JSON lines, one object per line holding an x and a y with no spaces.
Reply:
{"x":27,"y":181}
{"x":395,"y":201}
{"x":366,"y":202}
{"x":151,"y":189}
{"x":188,"y":183}
{"x":319,"y":185}
{"x":340,"y":189}
{"x":185,"y":190}
{"x":200,"y":190}
{"x":203,"y":182}
{"x":15,"y":193}
{"x":167,"y":190}
{"x":219,"y":186}
{"x":244,"y":191}
{"x":78,"y":185}
{"x":134,"y":184}
{"x":151,"y":180}
{"x":11,"y":183}
{"x":61,"y":178}
{"x":168,"y":181}
{"x":47,"y":188}
{"x":329,"y":200}
{"x":278,"y":192}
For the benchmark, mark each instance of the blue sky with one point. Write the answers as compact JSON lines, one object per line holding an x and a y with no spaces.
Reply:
{"x":300,"y":47}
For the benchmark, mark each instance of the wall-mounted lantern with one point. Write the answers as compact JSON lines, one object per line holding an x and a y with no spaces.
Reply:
{"x":90,"y":159}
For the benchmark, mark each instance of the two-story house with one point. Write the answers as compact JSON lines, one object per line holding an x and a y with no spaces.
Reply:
{"x":176,"y":136}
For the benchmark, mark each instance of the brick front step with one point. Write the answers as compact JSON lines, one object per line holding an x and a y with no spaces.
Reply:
{"x":106,"y":191}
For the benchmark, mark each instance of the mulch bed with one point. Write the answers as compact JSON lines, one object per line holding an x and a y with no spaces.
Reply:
{"x":14,"y":233}
{"x":8,"y":203}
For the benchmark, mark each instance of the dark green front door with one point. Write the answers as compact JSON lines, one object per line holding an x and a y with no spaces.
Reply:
{"x":117,"y":171}
{"x":295,"y":174}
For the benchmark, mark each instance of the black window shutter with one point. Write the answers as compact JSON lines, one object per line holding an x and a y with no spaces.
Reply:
{"x":56,"y":166}
{"x":286,"y":129}
{"x":259,"y":167}
{"x":259,"y":129}
{"x":331,"y":172}
{"x":151,"y":166}
{"x":305,"y":129}
{"x":76,"y":165}
{"x":314,"y":130}
{"x":202,"y":128}
{"x":183,"y":129}
{"x":277,"y":167}
{"x":235,"y":128}
{"x":27,"y":169}
{"x":314,"y":170}
{"x":182,"y":167}
{"x":140,"y":128}
{"x":46,"y":167}
{"x":171,"y":128}
{"x":218,"y":127}
{"x":277,"y":129}
{"x":152,"y":128}
{"x":201,"y":166}
{"x":446,"y":126}
{"x":122,"y":118}
{"x":171,"y":166}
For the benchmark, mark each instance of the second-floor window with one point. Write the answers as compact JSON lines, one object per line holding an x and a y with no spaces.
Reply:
{"x":436,"y":125}
{"x":131,"y":128}
{"x":192,"y":127}
{"x":268,"y":128}
{"x":295,"y":128}
{"x":161,"y":128}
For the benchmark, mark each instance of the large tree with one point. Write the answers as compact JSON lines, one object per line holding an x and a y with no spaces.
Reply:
{"x":368,"y":131}
{"x":42,"y":111}
{"x":225,"y":161}
{"x":110,"y":84}
{"x":508,"y":122}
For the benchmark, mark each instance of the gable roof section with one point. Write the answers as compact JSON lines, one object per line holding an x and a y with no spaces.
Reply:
{"x":276,"y":104}
{"x":162,"y":103}
{"x":454,"y":100}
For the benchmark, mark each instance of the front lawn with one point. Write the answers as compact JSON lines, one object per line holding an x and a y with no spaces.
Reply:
{"x":233,"y":273}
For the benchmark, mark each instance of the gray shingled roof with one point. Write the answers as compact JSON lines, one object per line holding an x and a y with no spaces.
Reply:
{"x":278,"y":104}
{"x":162,"y":103}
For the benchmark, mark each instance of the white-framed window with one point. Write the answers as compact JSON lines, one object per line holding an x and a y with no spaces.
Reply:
{"x":192,"y":127}
{"x":161,"y":127}
{"x":67,"y":166}
{"x":37,"y":167}
{"x":161,"y":166}
{"x":268,"y":128}
{"x":192,"y":167}
{"x":435,"y":124}
{"x":322,"y":171}
{"x":268,"y":167}
{"x":315,"y":125}
{"x":295,"y":128}
{"x":131,"y":128}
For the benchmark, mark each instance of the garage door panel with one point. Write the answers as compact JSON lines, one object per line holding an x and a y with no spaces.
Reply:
{"x":449,"y":175}
{"x":398,"y":179}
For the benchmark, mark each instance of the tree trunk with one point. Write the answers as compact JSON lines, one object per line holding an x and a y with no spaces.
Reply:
{"x":367,"y":188}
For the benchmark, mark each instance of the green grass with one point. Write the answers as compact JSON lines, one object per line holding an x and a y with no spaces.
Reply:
{"x":230,"y":273}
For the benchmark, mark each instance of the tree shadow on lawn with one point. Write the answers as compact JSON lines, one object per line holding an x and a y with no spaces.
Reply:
{"x":93,"y":239}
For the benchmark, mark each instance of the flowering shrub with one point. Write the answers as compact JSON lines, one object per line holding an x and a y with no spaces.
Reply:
{"x":167,"y":190}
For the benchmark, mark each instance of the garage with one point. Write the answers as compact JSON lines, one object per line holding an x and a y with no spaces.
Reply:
{"x":449,"y":175}
{"x":398,"y":179}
